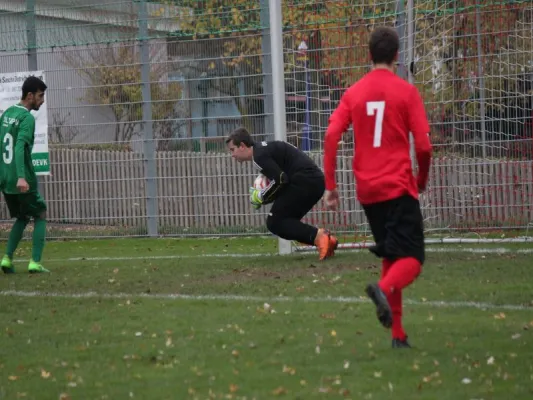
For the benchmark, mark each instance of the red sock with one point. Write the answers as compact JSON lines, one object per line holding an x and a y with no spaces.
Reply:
{"x":402,"y":273}
{"x":395,"y":302}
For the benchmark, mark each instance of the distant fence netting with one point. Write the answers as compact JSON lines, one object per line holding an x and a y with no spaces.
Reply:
{"x":142,"y":93}
{"x":116,"y":147}
{"x":472,"y":61}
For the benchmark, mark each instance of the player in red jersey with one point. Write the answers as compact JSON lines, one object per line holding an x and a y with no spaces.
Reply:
{"x":383,"y":109}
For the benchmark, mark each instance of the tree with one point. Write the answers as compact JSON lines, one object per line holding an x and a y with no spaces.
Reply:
{"x":329,"y":28}
{"x":449,"y":63}
{"x":59,"y":131}
{"x":114,"y":75}
{"x":337,"y":33}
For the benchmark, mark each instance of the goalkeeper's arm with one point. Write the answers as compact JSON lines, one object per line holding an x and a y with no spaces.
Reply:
{"x":275,"y":175}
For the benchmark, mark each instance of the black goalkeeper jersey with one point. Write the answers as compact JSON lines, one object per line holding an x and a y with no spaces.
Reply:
{"x":282,"y":163}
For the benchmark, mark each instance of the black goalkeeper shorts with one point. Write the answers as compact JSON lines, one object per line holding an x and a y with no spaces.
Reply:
{"x":299,"y":197}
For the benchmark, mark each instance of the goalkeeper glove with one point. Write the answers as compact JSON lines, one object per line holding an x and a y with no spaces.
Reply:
{"x":255,"y":198}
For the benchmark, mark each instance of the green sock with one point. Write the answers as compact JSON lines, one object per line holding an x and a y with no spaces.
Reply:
{"x":15,"y":236}
{"x":39,"y":233}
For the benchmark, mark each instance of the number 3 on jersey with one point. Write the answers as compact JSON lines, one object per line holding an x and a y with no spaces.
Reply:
{"x":8,"y":148}
{"x":376,"y":108}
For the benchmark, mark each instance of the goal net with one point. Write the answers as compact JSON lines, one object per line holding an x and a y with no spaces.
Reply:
{"x":472,"y":62}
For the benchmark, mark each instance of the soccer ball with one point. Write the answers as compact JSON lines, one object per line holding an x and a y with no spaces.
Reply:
{"x":261,"y":182}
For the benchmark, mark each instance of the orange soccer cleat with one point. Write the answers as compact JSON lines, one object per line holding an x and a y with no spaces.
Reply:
{"x":323,"y":244}
{"x":333,"y":244}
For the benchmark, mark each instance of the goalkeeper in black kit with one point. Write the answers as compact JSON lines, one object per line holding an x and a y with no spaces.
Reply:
{"x":296,"y":185}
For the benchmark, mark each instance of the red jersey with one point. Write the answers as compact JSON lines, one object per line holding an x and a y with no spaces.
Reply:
{"x":383,"y":109}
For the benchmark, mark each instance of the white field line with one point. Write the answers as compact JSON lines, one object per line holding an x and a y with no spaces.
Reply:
{"x":488,"y":250}
{"x":260,"y":299}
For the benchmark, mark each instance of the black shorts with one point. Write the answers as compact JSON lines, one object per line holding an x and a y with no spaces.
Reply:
{"x":398,"y":228}
{"x":25,"y":205}
{"x":299,"y":196}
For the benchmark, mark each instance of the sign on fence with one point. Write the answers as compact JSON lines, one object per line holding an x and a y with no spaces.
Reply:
{"x":10,"y":94}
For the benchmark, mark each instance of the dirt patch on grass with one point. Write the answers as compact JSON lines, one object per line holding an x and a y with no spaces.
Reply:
{"x":260,"y":274}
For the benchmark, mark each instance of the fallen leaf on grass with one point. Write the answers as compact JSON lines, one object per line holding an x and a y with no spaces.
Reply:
{"x":288,"y":370}
{"x":45,"y":374}
{"x":328,"y":316}
{"x":499,"y":316}
{"x":64,"y":396}
{"x":279,"y":391}
{"x":233,"y":388}
{"x":430,"y":377}
{"x":13,"y":377}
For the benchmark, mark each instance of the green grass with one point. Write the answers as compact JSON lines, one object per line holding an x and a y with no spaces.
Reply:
{"x":301,"y":346}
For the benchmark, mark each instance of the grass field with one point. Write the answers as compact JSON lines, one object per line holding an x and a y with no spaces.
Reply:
{"x":168,"y":319}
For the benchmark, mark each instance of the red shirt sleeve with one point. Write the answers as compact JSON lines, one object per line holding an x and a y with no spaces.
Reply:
{"x":339,"y":121}
{"x":419,"y":127}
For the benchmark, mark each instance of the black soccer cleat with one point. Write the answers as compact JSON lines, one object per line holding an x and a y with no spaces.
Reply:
{"x":400,"y":344}
{"x":383,"y":310}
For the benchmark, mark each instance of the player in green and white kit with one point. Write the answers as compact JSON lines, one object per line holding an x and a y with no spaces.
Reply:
{"x":18,"y":181}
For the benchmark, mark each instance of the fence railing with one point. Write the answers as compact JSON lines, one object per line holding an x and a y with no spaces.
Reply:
{"x":104,"y":193}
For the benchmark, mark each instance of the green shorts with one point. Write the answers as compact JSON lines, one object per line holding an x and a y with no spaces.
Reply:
{"x":25,"y":205}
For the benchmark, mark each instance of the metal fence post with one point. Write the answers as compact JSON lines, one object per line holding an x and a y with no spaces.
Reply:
{"x":278,"y":87}
{"x":147,"y":123}
{"x":31,"y":35}
{"x":267,"y":69}
{"x":482,"y":98}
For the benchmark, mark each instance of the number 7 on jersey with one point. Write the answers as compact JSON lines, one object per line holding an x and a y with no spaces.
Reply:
{"x":376,"y":108}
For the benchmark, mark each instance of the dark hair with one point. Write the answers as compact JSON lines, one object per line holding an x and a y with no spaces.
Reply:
{"x":32,"y":84}
{"x":240,"y":135}
{"x":384,"y":44}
